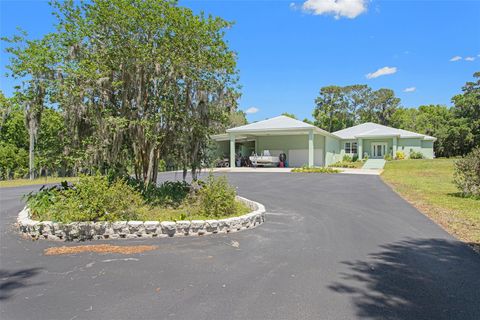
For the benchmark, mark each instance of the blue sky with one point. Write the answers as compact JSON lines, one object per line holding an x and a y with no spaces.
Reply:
{"x":288,"y":50}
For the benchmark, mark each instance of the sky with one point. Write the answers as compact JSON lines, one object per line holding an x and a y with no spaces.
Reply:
{"x":424,"y":50}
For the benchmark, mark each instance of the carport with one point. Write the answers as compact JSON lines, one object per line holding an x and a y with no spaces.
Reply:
{"x":303,"y":143}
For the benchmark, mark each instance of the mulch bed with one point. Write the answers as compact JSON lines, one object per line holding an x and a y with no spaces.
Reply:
{"x":101,"y":248}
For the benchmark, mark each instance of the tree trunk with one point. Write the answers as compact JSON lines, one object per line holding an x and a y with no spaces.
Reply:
{"x":185,"y":172}
{"x":194,"y":173}
{"x":31,"y":160}
{"x":151,"y":165}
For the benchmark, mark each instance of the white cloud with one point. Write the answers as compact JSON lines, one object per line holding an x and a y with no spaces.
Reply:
{"x":381,"y":72}
{"x":410,"y":89}
{"x":339,"y":8}
{"x":456,"y":58}
{"x":252,"y":110}
{"x":470,"y":59}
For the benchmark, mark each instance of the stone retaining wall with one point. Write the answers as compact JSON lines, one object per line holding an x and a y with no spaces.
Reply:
{"x":79,"y":231}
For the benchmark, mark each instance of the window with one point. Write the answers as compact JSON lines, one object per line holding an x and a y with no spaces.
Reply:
{"x":354,"y":147}
{"x":351,"y":147}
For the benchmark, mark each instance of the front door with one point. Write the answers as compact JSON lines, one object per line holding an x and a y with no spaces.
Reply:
{"x":379,"y":150}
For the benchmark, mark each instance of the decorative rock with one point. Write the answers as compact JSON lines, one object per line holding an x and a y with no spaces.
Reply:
{"x":211,"y":226}
{"x":198,"y":227}
{"x":151,"y":226}
{"x":108,"y":230}
{"x":223,"y":225}
{"x":59,"y":230}
{"x":183,"y":227}
{"x":52,"y":237}
{"x":136,"y":226}
{"x":86,"y":230}
{"x":118,"y":226}
{"x":100,"y":227}
{"x":169,"y":228}
{"x":232,"y":224}
{"x":71,"y":229}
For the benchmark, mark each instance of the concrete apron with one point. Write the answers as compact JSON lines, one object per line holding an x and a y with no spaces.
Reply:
{"x":287,"y":170}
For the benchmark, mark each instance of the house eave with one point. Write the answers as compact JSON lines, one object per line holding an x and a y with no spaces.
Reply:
{"x":279,"y":131}
{"x":427,"y":138}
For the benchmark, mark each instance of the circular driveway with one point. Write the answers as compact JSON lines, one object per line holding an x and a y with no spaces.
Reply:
{"x":332,"y":247}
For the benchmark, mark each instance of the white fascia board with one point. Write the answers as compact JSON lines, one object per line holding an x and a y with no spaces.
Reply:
{"x":380,"y":136}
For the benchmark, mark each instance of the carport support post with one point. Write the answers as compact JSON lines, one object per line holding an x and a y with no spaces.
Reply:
{"x":360,"y":148}
{"x":394,"y":147}
{"x":232,"y":150}
{"x":310,"y":148}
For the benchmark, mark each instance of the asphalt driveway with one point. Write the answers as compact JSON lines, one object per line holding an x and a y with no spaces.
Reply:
{"x":333,"y":247}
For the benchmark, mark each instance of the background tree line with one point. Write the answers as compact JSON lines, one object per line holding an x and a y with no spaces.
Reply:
{"x":120,"y":85}
{"x":457,"y":128}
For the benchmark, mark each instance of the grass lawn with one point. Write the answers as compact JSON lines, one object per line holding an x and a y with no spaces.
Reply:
{"x":428,"y":185}
{"x":28,"y":182}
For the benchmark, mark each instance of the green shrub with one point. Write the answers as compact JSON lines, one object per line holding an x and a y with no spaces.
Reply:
{"x":13,"y":161}
{"x":416,"y":155}
{"x":342,"y":164}
{"x":347,"y":158}
{"x":168,"y":194}
{"x":91,"y":199}
{"x":388,"y":157}
{"x":467,"y":173}
{"x":399,"y":155}
{"x":217,"y":197}
{"x":355,"y":158}
{"x":41,"y":202}
{"x":315,"y":170}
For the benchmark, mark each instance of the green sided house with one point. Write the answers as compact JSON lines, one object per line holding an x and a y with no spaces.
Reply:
{"x":306,"y":144}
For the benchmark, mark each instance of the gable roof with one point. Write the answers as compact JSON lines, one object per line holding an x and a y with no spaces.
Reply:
{"x":280,"y":123}
{"x":373,"y":130}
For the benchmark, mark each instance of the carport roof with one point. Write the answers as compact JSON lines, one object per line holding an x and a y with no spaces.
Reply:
{"x":280,"y":123}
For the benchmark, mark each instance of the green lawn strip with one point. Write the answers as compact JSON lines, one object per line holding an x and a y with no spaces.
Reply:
{"x":38,"y":181}
{"x":428,"y":185}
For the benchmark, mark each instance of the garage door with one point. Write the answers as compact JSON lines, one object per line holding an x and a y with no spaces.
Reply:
{"x":299,"y":157}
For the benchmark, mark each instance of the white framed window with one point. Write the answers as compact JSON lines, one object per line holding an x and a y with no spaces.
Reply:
{"x":351,"y":147}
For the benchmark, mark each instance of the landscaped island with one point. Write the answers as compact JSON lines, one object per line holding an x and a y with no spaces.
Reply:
{"x":101,"y":208}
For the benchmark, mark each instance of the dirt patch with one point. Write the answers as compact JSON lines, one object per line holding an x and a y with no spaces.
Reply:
{"x":101,"y":248}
